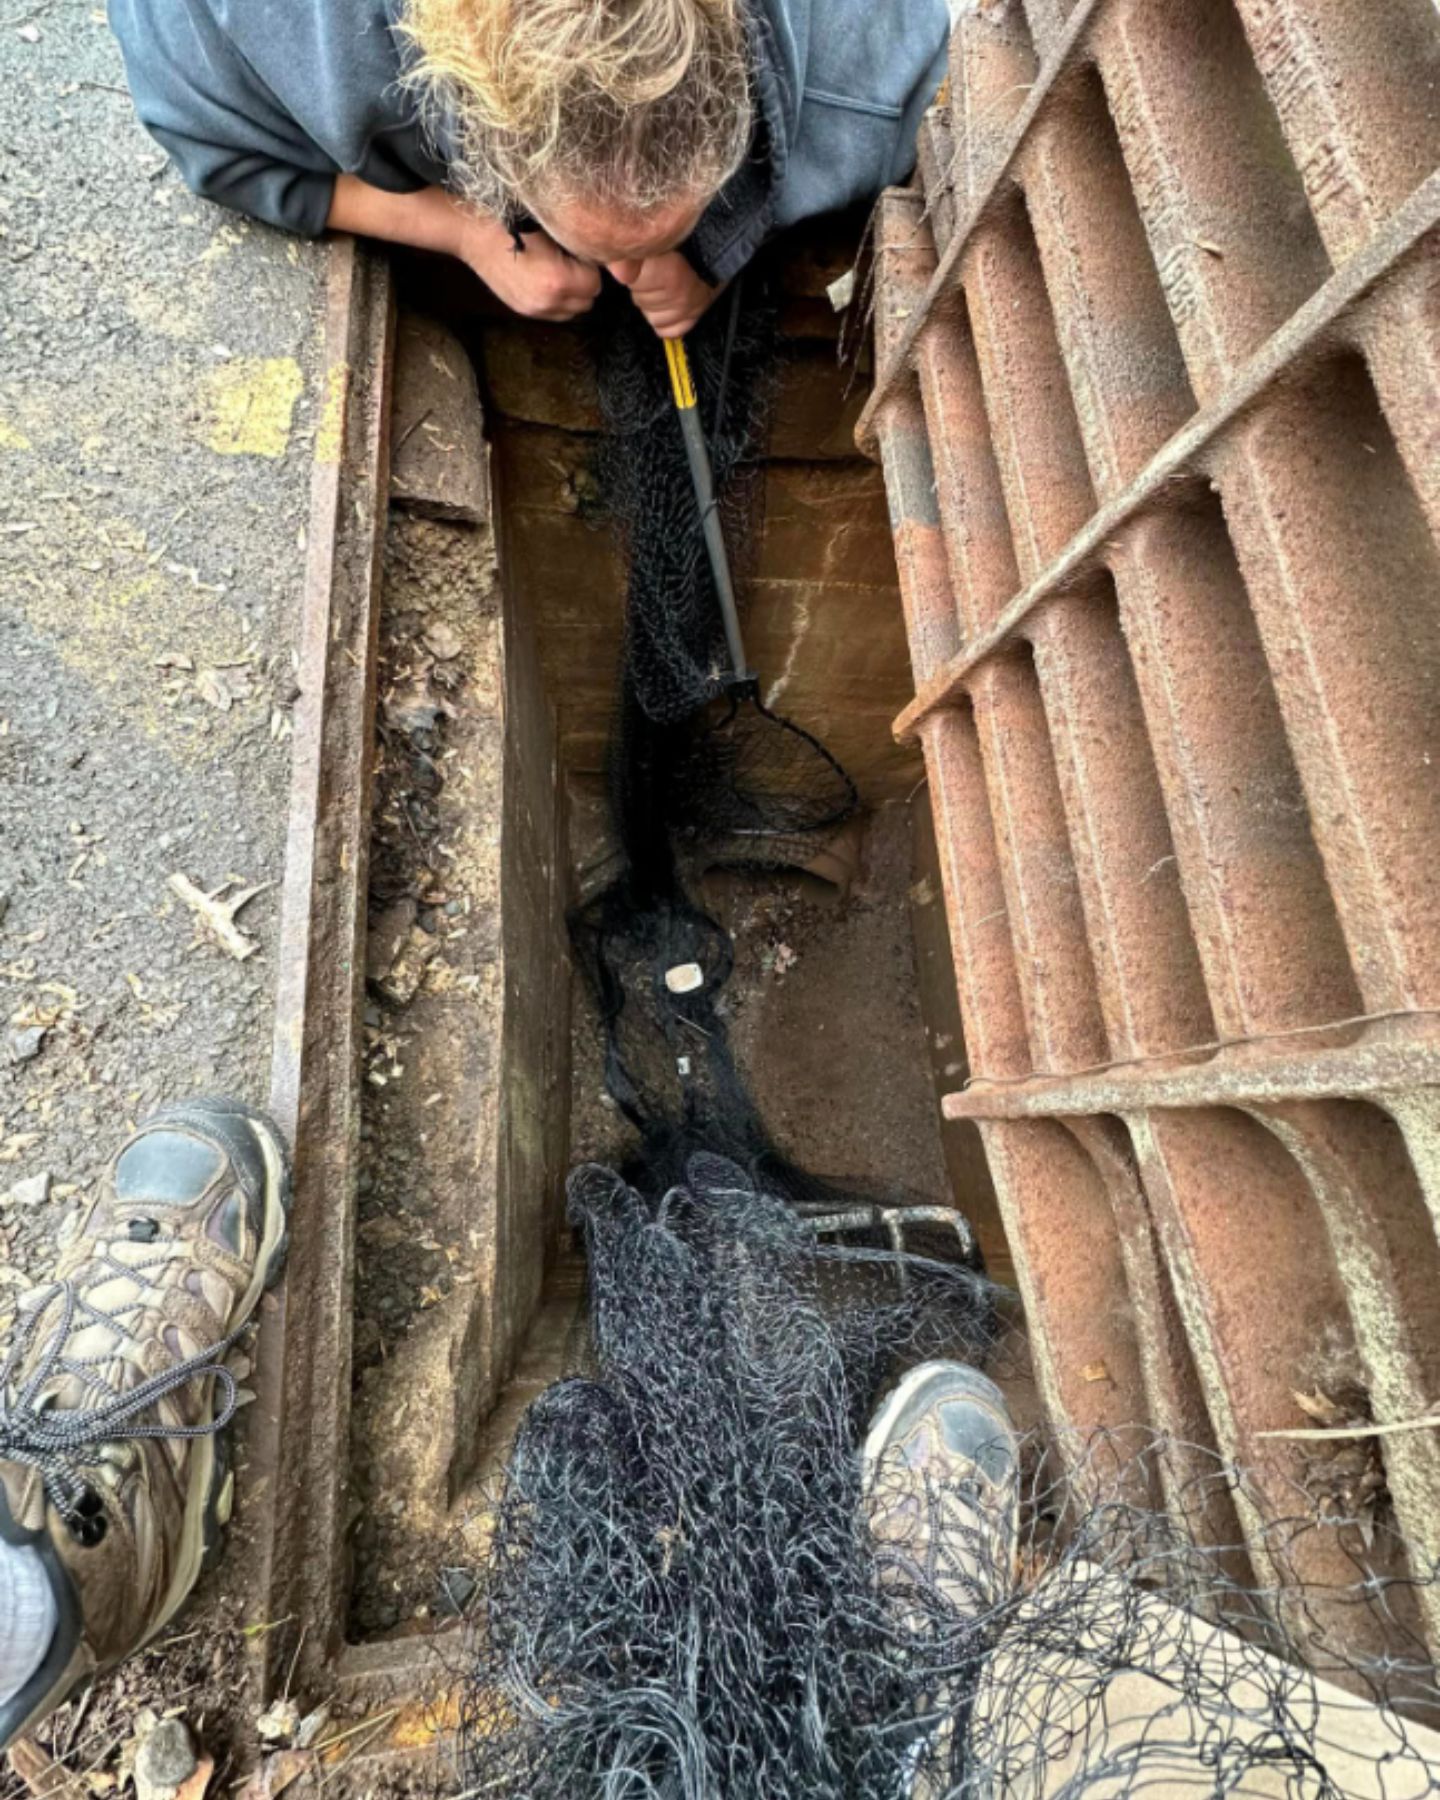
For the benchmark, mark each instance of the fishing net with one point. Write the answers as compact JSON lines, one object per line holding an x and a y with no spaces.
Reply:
{"x":697,"y":1587}
{"x":700,"y":1584}
{"x":698,"y":756}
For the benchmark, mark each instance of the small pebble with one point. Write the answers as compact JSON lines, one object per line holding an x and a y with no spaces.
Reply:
{"x":25,"y":1045}
{"x":310,"y":1727}
{"x":33,"y":1191}
{"x":279,"y":1723}
{"x":165,"y":1760}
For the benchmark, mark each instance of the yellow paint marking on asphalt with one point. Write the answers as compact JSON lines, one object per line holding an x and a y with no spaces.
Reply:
{"x":252,"y":404}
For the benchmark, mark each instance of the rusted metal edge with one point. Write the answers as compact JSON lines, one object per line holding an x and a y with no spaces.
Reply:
{"x":1240,"y":1077}
{"x":1317,"y":323}
{"x":294,"y":1491}
{"x":1052,"y":69}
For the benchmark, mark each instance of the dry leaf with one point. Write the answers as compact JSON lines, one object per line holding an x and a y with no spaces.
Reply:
{"x":1320,"y":1407}
{"x":1095,"y":1371}
{"x":222,"y":687}
{"x":195,"y":1787}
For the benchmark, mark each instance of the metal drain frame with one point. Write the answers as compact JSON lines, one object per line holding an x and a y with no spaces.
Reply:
{"x":1175,"y":630}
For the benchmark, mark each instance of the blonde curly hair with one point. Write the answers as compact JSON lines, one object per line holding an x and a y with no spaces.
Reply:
{"x":633,"y":103}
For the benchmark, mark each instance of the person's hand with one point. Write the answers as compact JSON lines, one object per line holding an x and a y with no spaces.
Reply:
{"x":668,"y":291}
{"x":539,"y":282}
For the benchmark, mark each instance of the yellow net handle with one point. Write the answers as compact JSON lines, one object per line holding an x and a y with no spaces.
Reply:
{"x":679,"y":366}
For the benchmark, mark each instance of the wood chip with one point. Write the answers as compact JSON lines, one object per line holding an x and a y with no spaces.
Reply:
{"x":222,"y":686}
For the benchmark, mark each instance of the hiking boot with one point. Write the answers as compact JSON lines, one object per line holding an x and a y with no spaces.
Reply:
{"x":113,"y":1389}
{"x":942,"y":1484}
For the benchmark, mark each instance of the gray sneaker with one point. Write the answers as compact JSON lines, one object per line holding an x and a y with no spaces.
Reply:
{"x":942,"y":1484}
{"x":112,"y":1389}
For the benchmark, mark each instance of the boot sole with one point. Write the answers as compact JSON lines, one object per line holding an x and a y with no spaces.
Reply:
{"x":203,"y":1532}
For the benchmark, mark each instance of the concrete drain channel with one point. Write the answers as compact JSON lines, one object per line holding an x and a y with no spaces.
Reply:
{"x":431,"y":1063}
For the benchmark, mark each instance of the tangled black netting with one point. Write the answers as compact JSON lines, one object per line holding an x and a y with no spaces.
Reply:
{"x":696,"y":772}
{"x":704,"y":1583}
{"x":711,"y":1575}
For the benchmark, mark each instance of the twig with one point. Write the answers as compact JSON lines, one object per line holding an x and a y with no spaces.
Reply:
{"x":294,"y":1660}
{"x":219,"y":914}
{"x":78,"y":1719}
{"x":254,"y":1631}
{"x":364,"y":1725}
{"x":410,"y":430}
{"x":1312,"y":1433}
{"x":378,"y":1726}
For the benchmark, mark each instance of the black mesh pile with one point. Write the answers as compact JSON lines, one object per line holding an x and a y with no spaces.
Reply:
{"x":681,"y":1598}
{"x":699,"y":1588}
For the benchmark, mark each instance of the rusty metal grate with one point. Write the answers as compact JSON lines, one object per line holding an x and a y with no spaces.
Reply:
{"x":1158,"y":407}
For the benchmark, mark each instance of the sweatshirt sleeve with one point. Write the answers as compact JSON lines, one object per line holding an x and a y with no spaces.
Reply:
{"x":224,"y":129}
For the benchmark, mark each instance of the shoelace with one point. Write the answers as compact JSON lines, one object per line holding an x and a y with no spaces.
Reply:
{"x":54,"y":1441}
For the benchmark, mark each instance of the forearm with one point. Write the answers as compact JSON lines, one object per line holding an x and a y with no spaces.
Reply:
{"x":430,"y":219}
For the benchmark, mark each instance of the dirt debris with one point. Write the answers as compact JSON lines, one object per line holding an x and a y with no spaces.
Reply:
{"x":431,"y":896}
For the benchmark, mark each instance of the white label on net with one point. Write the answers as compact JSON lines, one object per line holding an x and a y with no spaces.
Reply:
{"x":684,"y":978}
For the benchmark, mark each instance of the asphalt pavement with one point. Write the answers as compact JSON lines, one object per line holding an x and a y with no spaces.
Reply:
{"x":158,"y":363}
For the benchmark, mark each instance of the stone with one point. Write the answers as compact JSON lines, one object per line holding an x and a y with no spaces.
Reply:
{"x":457,"y":1590}
{"x":165,"y":1761}
{"x":310,"y":1727}
{"x":389,"y":931}
{"x":33,"y":1191}
{"x":26,"y":1043}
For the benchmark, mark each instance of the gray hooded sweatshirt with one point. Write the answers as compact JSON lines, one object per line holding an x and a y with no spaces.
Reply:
{"x":261,"y":103}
